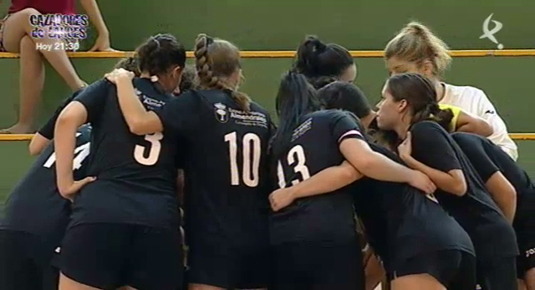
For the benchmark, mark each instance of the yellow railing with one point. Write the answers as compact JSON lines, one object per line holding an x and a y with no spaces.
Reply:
{"x":291,"y":54}
{"x":28,"y":137}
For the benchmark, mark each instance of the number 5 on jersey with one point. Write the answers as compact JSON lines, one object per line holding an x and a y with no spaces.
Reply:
{"x":251,"y":147}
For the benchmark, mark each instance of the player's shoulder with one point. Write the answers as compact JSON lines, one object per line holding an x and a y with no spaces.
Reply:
{"x":426,"y":126}
{"x":256,"y":107}
{"x":430,"y":131}
{"x":98,"y":87}
{"x":467,"y":137}
{"x":465,"y":91}
{"x":331,"y":114}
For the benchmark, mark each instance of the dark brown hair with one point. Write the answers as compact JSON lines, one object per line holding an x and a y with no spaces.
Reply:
{"x":130,"y":63}
{"x":421,"y":96}
{"x":188,"y":77}
{"x":316,"y":59}
{"x":159,"y":53}
{"x":215,"y":60}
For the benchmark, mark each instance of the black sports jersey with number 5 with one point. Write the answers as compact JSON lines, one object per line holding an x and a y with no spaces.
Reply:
{"x":136,"y":175}
{"x":314,"y":146}
{"x":224,"y":164}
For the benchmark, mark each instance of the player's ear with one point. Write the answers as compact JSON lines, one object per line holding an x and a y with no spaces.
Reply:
{"x":402,"y":106}
{"x":426,"y":68}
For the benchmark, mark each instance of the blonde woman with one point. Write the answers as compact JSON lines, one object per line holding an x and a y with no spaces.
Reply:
{"x":416,"y":49}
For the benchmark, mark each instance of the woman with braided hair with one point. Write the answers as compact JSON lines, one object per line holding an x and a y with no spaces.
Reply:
{"x":409,"y":108}
{"x":416,"y":49}
{"x":225,"y":138}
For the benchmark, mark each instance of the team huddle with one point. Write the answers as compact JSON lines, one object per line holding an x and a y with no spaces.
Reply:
{"x":160,"y":176}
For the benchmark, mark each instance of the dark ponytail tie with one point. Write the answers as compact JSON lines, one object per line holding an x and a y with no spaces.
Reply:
{"x":319,"y":46}
{"x":209,"y":40}
{"x":434,"y":109}
{"x":155,"y":39}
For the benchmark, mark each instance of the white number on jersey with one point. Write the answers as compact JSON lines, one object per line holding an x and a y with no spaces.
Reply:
{"x":432,"y":197}
{"x":154,"y":150}
{"x":251,"y":147}
{"x":80,"y":154}
{"x":297,"y":158}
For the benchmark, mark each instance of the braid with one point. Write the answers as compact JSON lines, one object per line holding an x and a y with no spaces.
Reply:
{"x":206,"y":77}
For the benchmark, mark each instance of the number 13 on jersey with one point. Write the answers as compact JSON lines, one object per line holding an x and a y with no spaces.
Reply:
{"x":251,"y":150}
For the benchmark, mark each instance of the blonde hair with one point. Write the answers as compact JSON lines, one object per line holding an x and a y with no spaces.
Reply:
{"x":215,"y":60}
{"x":416,"y":43}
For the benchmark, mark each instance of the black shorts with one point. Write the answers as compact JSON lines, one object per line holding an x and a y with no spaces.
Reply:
{"x":497,"y":274}
{"x":220,"y":266}
{"x":524,"y":226}
{"x":113,"y":255}
{"x":25,"y":263}
{"x":452,"y":268}
{"x":311,"y":266}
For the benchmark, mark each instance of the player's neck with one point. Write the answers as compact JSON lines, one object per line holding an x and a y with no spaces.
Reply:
{"x":366,"y":121}
{"x":440,"y":89}
{"x":402,"y":128}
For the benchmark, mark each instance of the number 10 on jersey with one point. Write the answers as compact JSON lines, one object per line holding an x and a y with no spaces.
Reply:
{"x":251,"y":151}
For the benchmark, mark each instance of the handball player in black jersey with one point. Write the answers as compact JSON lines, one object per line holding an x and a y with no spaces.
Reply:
{"x":493,"y":164}
{"x":125,"y":225}
{"x":396,"y":215}
{"x":314,"y":237}
{"x":36,"y":217}
{"x":409,"y":108}
{"x":51,"y":211}
{"x":225,"y":136}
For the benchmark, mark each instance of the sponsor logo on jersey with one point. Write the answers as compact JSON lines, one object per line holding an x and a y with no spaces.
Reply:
{"x":221,"y":113}
{"x":530,"y":252}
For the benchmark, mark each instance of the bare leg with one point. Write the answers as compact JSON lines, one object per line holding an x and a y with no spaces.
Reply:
{"x":521,"y":284}
{"x":203,"y":287}
{"x":417,"y":282}
{"x":529,"y":279}
{"x":17,"y":38}
{"x":31,"y":83}
{"x":66,"y":283}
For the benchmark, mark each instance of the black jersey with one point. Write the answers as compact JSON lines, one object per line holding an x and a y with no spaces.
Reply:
{"x":224,"y":159}
{"x":136,"y":175}
{"x":413,"y":223}
{"x":492,"y":236}
{"x":487,"y":159}
{"x":327,"y":218}
{"x":47,"y":130}
{"x":35,"y":206}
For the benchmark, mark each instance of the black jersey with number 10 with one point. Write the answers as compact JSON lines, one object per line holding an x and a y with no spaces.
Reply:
{"x":136,"y":175}
{"x":225,"y":152}
{"x":326,"y":218}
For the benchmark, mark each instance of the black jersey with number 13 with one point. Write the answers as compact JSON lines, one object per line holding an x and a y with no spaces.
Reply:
{"x":224,"y":159}
{"x":136,"y":175}
{"x":326,"y":218}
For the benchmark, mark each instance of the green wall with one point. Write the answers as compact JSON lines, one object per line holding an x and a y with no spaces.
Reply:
{"x":356,"y":24}
{"x":507,"y":81}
